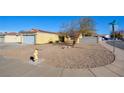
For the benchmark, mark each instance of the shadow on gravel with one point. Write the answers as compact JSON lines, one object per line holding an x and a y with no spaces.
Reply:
{"x":118,"y":44}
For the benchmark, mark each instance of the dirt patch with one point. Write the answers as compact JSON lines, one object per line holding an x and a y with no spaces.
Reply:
{"x":82,"y":56}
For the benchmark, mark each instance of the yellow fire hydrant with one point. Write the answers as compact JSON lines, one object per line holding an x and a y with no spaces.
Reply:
{"x":36,"y":55}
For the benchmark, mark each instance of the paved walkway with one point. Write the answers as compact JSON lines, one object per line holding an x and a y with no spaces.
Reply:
{"x":21,"y":69}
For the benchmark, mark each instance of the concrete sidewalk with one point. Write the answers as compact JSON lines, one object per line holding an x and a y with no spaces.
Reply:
{"x":21,"y":69}
{"x":116,"y":69}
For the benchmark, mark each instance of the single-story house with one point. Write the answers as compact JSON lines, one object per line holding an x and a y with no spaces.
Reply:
{"x":35,"y":36}
{"x":12,"y":37}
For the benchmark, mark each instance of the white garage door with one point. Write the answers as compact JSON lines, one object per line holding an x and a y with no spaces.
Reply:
{"x":29,"y":39}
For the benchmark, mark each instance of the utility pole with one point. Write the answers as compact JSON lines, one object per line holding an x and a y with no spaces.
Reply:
{"x":113,"y":23}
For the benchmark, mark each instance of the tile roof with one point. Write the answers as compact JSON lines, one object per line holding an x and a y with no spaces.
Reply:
{"x":11,"y":33}
{"x":36,"y":30}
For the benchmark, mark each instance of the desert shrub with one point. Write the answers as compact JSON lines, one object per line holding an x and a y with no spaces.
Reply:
{"x":57,"y":41}
{"x":61,"y":38}
{"x":50,"y":42}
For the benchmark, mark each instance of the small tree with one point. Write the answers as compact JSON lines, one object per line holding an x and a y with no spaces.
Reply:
{"x":62,"y":36}
{"x":73,"y":29}
{"x":117,"y":35}
{"x":87,"y":26}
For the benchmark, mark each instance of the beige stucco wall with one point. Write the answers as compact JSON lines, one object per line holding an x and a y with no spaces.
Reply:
{"x":12,"y":39}
{"x":78,"y":40}
{"x":66,"y":40}
{"x":69,"y":39}
{"x":42,"y":38}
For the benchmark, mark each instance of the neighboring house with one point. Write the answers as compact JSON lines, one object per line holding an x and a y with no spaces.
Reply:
{"x":122,"y":32}
{"x":12,"y":37}
{"x":38,"y":37}
{"x":2,"y":37}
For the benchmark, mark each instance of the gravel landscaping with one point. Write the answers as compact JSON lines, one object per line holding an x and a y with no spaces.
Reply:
{"x":82,"y":56}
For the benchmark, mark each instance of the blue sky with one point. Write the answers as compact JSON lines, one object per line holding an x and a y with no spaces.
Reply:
{"x":53,"y":23}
